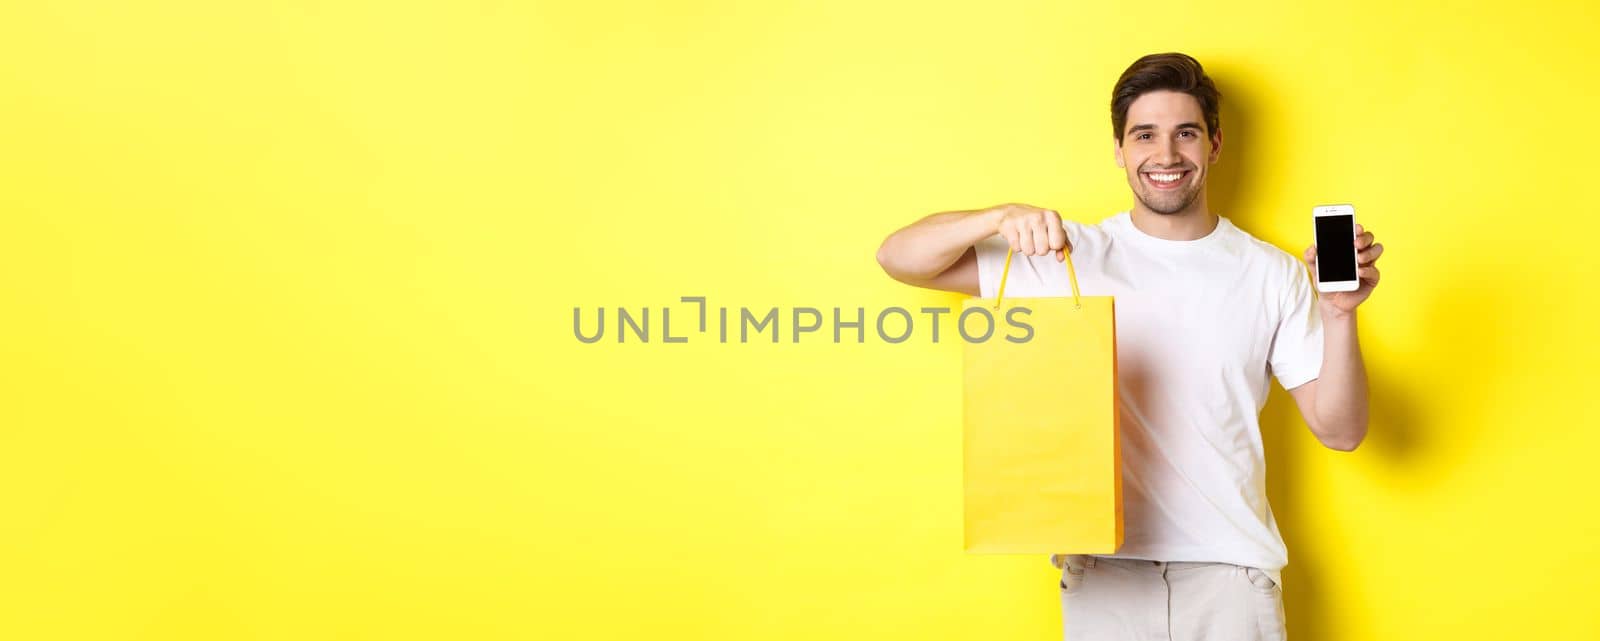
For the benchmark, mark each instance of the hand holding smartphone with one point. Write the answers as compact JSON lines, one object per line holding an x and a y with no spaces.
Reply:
{"x":1336,"y":248}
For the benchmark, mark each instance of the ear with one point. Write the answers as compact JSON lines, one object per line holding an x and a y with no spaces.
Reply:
{"x":1216,"y":147}
{"x":1117,"y":153}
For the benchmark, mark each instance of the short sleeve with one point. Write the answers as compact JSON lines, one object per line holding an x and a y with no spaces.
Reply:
{"x":1030,"y":275}
{"x":1296,"y":356}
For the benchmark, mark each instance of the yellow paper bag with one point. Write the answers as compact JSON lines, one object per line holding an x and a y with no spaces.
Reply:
{"x":1042,"y":470}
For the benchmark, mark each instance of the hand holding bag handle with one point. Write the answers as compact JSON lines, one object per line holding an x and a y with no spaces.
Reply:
{"x":1072,"y":275}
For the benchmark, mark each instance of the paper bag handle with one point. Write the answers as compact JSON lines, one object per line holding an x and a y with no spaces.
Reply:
{"x":1072,"y":276}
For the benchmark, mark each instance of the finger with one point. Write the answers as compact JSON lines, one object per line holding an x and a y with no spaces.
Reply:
{"x":1310,"y":253}
{"x":1010,"y":235}
{"x":1370,"y":254}
{"x":1025,"y":240}
{"x":1058,"y":233}
{"x":1041,"y":238}
{"x":1363,"y":241}
{"x":1061,"y":256}
{"x":1360,"y":229}
{"x":1368,"y":274}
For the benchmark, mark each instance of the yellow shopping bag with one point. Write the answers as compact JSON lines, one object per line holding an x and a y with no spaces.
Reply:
{"x":1042,"y":470}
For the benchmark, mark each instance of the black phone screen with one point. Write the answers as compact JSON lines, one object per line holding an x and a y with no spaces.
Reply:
{"x":1336,"y":253}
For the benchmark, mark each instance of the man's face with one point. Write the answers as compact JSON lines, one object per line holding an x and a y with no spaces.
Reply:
{"x":1165,"y":150}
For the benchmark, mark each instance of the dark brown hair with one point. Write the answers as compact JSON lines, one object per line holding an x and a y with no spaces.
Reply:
{"x":1164,"y":72}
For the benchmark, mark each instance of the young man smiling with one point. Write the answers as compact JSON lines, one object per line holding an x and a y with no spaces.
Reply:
{"x":1205,"y":313}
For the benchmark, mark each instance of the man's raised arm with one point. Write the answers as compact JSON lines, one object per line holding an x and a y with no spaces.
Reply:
{"x":937,"y":251}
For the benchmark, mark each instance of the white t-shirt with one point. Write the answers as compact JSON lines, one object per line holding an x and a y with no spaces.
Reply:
{"x":1200,"y":325}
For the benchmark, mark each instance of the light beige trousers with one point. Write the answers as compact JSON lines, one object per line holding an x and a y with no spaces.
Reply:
{"x":1105,"y":599}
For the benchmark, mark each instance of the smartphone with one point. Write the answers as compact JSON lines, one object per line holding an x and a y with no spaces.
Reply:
{"x":1336,"y":248}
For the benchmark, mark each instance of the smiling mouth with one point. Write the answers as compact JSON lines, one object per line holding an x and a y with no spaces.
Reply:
{"x":1165,"y":179}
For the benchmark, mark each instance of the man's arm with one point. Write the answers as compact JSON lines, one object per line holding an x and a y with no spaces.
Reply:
{"x":937,"y":251}
{"x":1335,"y":403}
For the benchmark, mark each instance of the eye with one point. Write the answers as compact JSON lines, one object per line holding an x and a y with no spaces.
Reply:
{"x":1187,"y":132}
{"x":1142,"y":136}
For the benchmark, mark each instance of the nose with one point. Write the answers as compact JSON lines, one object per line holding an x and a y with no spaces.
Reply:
{"x":1168,"y":153}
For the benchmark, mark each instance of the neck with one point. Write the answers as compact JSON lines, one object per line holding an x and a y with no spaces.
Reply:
{"x":1194,"y":222}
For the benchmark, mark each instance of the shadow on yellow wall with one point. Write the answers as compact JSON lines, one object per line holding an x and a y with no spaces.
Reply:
{"x":1402,"y":437}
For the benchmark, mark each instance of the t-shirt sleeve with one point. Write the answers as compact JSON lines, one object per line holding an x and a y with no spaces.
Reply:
{"x":1030,"y":275}
{"x":1296,"y":357}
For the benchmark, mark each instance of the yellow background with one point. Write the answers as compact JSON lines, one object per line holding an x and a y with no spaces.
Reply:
{"x":288,"y":290}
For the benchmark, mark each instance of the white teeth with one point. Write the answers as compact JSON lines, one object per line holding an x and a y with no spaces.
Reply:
{"x":1164,"y":178}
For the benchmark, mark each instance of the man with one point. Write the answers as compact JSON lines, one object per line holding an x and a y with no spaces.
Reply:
{"x":1205,"y":312}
